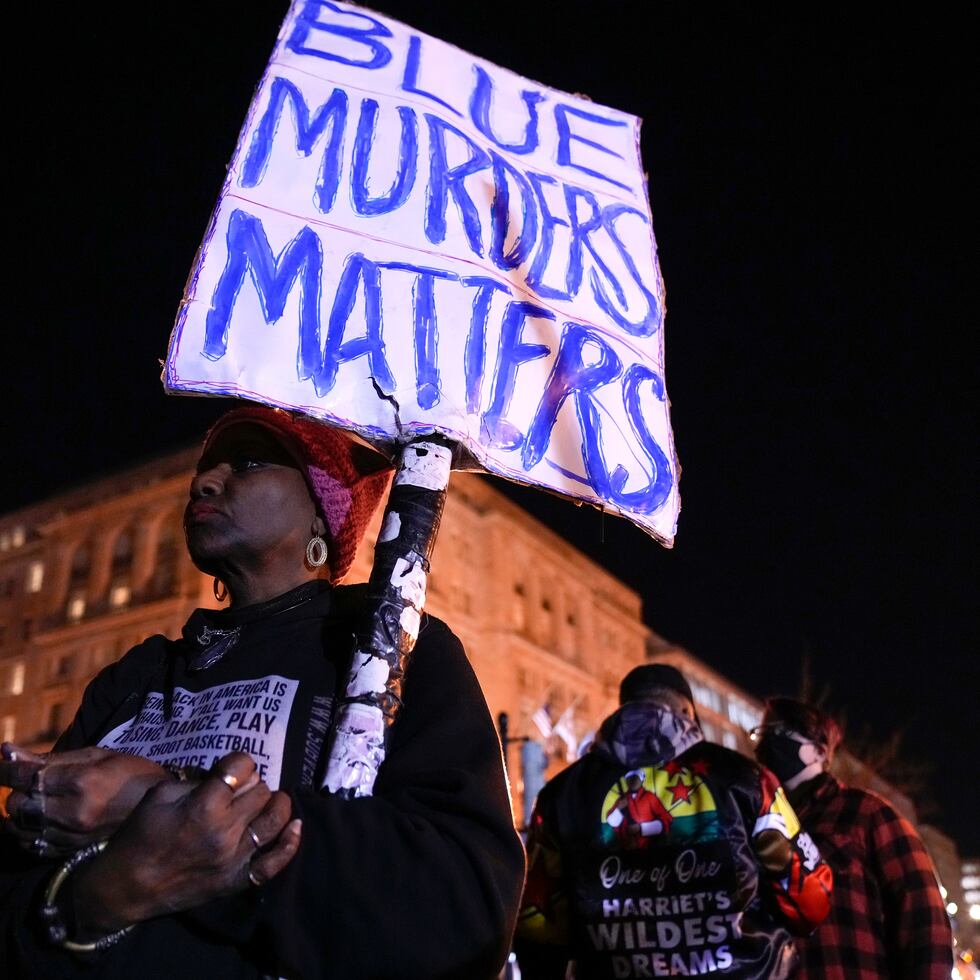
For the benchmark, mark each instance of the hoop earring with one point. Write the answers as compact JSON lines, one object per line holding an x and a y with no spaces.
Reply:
{"x":220,"y":590}
{"x":316,"y":552}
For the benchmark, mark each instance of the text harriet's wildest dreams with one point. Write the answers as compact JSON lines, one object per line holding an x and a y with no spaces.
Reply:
{"x":411,"y":239}
{"x":672,"y":918}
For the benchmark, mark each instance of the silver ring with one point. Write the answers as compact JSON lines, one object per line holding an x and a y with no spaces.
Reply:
{"x":254,"y":879}
{"x":255,"y":837}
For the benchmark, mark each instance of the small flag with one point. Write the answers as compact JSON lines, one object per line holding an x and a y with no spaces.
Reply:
{"x":565,"y":730}
{"x":542,"y":720}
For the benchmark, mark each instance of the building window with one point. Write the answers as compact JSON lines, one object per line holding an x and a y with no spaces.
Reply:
{"x":8,"y":728}
{"x":80,"y":564}
{"x":729,"y":740}
{"x":35,"y":576}
{"x":742,"y":714}
{"x":167,"y":558}
{"x":13,"y":538}
{"x":122,"y":551}
{"x":76,"y":606}
{"x":17,"y":678}
{"x":547,"y":620}
{"x":27,"y":629}
{"x":706,"y":696}
{"x":63,"y":668}
{"x":519,"y":613}
{"x":119,"y":594}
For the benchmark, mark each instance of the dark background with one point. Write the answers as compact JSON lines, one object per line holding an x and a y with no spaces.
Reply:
{"x":809,"y":175}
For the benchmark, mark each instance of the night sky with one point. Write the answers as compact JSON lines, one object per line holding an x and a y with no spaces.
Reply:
{"x":809,"y":175}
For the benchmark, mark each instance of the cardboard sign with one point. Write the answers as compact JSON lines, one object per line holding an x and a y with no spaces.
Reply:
{"x":411,"y":239}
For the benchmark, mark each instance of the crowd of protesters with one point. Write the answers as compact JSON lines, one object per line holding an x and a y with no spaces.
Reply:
{"x":130,"y":852}
{"x":640,"y":851}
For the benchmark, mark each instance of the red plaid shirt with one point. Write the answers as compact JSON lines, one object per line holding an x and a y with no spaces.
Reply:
{"x":887,"y":917}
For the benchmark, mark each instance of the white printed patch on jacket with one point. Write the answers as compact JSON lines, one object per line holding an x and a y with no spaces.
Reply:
{"x":242,"y":716}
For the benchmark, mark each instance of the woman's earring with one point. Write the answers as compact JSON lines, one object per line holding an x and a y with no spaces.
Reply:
{"x":316,"y":552}
{"x":220,"y":590}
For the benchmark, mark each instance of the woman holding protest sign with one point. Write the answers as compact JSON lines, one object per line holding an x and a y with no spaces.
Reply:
{"x":178,"y":827}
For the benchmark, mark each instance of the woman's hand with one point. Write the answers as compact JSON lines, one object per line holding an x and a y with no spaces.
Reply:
{"x":65,"y":800}
{"x":183,"y":846}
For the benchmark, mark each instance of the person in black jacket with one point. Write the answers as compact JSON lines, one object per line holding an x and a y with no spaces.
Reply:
{"x":178,"y":827}
{"x":660,"y":854}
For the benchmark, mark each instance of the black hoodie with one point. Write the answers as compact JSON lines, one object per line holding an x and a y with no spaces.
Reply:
{"x":421,"y":880}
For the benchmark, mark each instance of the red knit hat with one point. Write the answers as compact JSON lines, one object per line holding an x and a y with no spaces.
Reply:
{"x":346,"y":480}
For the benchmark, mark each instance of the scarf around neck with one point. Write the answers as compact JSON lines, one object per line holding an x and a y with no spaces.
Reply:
{"x":644,"y":733}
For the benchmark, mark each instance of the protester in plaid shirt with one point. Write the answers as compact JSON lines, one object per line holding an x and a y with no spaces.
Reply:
{"x":887,"y":919}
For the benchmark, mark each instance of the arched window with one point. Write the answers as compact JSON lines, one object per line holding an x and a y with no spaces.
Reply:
{"x":122,"y":551}
{"x":81,"y":563}
{"x":165,"y":567}
{"x":120,"y":583}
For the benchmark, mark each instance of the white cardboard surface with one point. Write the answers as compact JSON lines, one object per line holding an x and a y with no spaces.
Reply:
{"x":372,"y":151}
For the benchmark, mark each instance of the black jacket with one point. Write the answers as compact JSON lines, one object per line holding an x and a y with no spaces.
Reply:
{"x":421,"y":880}
{"x":660,"y":854}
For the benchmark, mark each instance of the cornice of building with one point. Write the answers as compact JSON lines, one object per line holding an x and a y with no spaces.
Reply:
{"x":104,"y":491}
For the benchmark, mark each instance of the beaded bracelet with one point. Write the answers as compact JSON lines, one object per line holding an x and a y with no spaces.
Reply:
{"x":51,"y":914}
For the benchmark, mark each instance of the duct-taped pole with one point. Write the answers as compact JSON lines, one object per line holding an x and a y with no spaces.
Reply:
{"x":396,"y":595}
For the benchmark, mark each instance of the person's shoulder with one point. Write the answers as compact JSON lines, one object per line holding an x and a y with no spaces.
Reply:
{"x":434,"y":626}
{"x":114,"y":684}
{"x":437,"y":640}
{"x":136,"y":661}
{"x":857,"y":798}
{"x":434,"y":635}
{"x":438,"y":667}
{"x":868,"y":806}
{"x":724,"y":762}
{"x":585,"y":768}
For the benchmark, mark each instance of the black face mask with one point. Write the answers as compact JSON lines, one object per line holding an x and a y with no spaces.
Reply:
{"x":781,"y":754}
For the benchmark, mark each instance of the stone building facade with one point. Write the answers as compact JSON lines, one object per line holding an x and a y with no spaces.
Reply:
{"x":89,"y":573}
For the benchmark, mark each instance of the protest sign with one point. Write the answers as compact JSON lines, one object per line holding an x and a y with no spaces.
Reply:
{"x":414,"y":240}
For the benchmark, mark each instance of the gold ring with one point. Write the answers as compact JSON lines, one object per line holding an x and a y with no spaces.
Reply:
{"x":229,"y":780}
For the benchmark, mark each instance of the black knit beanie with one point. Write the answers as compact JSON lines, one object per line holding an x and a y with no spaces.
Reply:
{"x":640,"y":680}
